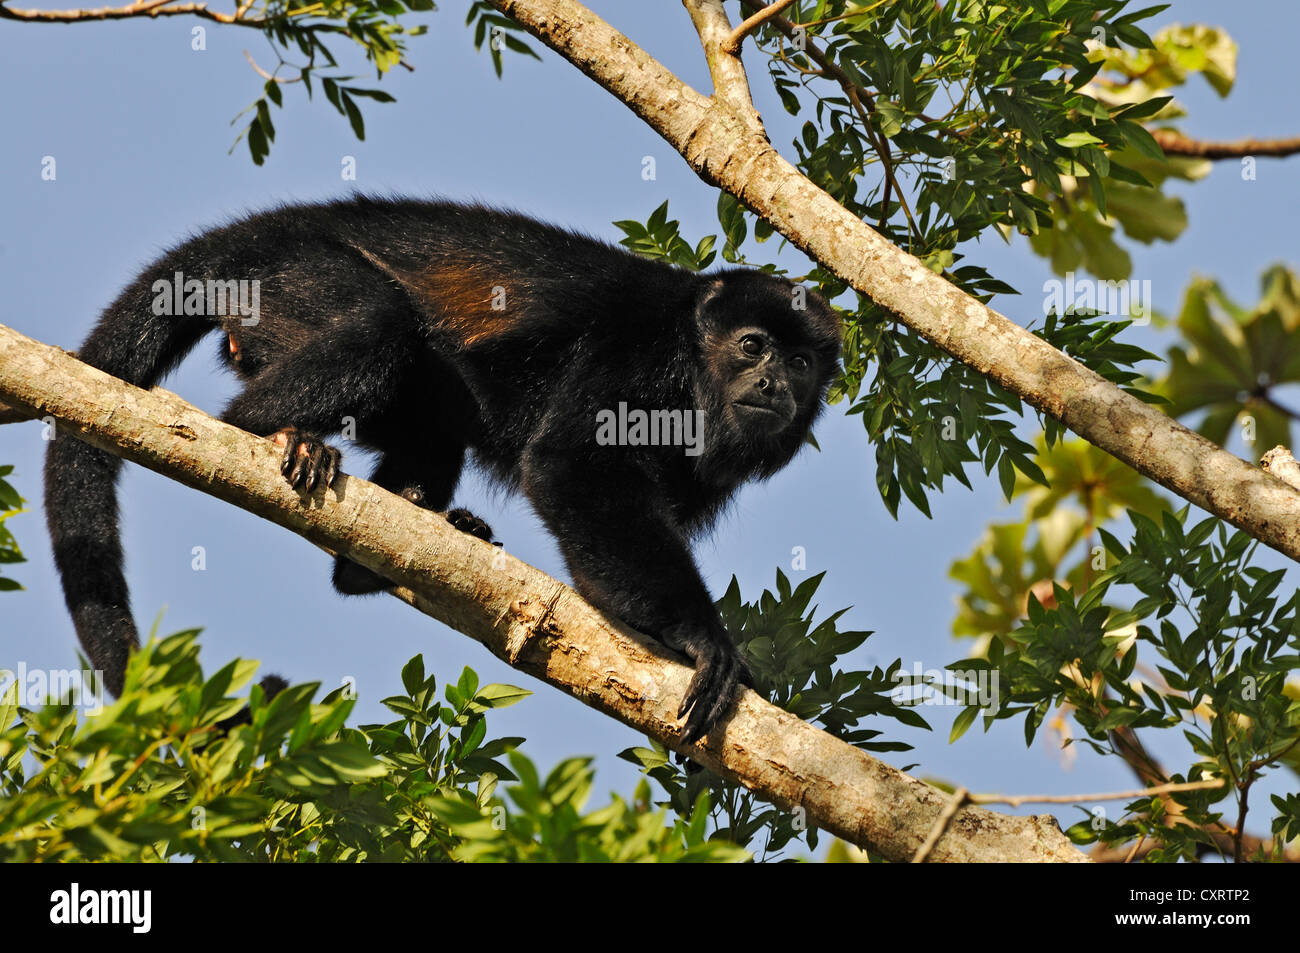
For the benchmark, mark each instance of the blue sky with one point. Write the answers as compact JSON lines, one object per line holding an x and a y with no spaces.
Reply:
{"x":138,"y":124}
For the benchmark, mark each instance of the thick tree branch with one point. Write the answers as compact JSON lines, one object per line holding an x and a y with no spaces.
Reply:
{"x":520,"y":614}
{"x":1176,"y":144}
{"x":726,"y":149}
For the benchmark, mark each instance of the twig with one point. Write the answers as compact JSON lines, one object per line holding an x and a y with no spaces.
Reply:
{"x":1137,"y":845}
{"x":1243,"y":799}
{"x":151,"y":8}
{"x":732,"y":43}
{"x":954,"y":804}
{"x":1015,"y":800}
{"x":1176,"y":144}
{"x":264,"y":74}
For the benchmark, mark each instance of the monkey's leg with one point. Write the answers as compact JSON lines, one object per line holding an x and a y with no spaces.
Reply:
{"x":349,"y":371}
{"x":426,"y":480}
{"x":628,"y":558}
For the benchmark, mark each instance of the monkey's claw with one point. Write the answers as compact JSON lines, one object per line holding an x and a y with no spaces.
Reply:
{"x":467,"y":522}
{"x":308,"y":461}
{"x":719,"y":671}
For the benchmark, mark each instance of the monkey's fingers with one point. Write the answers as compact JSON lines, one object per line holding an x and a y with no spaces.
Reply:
{"x":701,"y":653}
{"x":286,"y":438}
{"x":467,"y":522}
{"x":323,"y":465}
{"x":301,"y":465}
{"x":332,"y":460}
{"x":315,"y":464}
{"x":727,"y":683}
{"x":719,"y":671}
{"x":307,"y":461}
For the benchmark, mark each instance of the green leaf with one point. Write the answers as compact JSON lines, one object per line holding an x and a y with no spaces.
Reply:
{"x":963,"y":721}
{"x":501,"y":696}
{"x":354,"y":116}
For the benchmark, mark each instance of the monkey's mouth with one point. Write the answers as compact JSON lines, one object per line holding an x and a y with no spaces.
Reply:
{"x":778,"y":415}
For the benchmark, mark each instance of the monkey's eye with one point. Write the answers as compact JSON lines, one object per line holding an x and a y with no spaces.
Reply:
{"x":752,"y":345}
{"x":799,"y":362}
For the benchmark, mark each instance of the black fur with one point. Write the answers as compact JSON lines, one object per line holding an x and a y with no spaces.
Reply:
{"x":442,"y":328}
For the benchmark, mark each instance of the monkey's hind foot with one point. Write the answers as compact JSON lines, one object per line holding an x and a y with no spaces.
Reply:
{"x":308,"y":461}
{"x":467,"y":522}
{"x":272,"y":685}
{"x":352,"y":579}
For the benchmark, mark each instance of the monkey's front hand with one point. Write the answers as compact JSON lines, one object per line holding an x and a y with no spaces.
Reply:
{"x":467,"y":522}
{"x":308,"y":460}
{"x":719,"y":670}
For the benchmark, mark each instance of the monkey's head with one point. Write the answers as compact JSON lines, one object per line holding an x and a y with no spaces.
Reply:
{"x":769,"y":350}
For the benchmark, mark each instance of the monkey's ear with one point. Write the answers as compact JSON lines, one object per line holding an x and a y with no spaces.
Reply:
{"x":709,"y":293}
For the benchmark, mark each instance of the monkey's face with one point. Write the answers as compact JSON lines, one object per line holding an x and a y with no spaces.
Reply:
{"x":765,"y":381}
{"x":769,"y":350}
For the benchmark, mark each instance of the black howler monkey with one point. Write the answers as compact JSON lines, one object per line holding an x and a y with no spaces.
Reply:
{"x":434,"y":329}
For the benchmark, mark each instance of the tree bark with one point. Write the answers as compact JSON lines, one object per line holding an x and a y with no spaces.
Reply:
{"x":729,"y":149}
{"x":520,"y":614}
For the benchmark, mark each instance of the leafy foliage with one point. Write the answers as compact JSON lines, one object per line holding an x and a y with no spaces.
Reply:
{"x":1219,"y":642}
{"x":10,"y":505}
{"x":152,"y":778}
{"x":794,"y":663}
{"x":1134,"y":83}
{"x":660,"y":239}
{"x":1237,"y":359}
{"x":547,"y":824}
{"x":305,"y":32}
{"x":1086,"y":489}
{"x":300,"y":36}
{"x":499,"y":31}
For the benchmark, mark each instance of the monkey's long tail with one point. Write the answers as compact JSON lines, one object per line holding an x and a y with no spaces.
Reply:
{"x":140,"y":347}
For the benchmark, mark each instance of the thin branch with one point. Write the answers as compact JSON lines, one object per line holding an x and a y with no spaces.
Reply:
{"x":881,"y":144}
{"x":732,"y":43}
{"x":730,"y":84}
{"x":141,"y":8}
{"x":955,"y":803}
{"x":1016,"y":800}
{"x":1137,"y":846}
{"x":1176,"y":144}
{"x":524,"y":617}
{"x":1269,"y":400}
{"x":1243,"y":800}
{"x":264,"y":74}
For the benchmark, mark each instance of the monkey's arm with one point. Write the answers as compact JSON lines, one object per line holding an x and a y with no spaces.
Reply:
{"x":633,"y":562}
